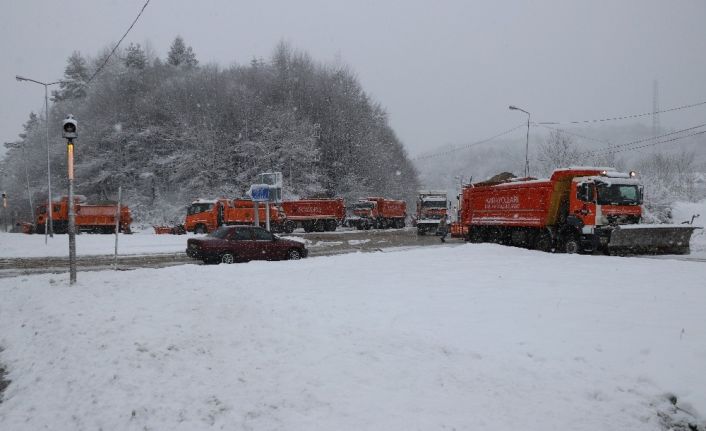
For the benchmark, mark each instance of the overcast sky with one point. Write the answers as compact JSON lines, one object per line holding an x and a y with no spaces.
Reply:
{"x":444,"y":70}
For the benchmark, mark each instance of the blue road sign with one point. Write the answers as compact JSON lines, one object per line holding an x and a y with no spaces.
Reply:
{"x":260,"y":192}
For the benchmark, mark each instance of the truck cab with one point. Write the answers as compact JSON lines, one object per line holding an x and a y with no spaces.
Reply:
{"x":431,"y":207}
{"x":600,"y":203}
{"x":205,"y":215}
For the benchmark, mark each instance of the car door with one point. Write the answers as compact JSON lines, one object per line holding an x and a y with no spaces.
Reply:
{"x":264,"y":244}
{"x":243,"y":244}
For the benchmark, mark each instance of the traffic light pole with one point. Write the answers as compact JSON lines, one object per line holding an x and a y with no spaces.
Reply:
{"x":72,"y":213}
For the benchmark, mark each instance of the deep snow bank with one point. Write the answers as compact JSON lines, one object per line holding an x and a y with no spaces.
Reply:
{"x":466,"y":337}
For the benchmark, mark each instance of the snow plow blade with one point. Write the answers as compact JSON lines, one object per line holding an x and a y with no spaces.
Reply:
{"x":651,"y":239}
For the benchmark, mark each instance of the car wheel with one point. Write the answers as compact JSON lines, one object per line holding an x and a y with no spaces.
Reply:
{"x":227,"y":258}
{"x":294,"y":254}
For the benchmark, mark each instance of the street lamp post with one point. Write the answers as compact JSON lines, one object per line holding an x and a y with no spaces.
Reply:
{"x":50,"y":220}
{"x":515,"y":108}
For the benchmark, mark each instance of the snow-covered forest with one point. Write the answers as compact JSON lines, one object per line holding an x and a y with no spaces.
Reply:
{"x":169,"y":130}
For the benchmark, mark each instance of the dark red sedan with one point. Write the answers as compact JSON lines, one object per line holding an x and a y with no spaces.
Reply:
{"x":229,"y":244}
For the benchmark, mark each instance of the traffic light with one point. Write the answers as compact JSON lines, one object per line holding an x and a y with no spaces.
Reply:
{"x":69,"y":127}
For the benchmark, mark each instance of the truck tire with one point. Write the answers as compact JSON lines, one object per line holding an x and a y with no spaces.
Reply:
{"x":200,"y":229}
{"x":421,"y":231}
{"x":331,"y":225}
{"x":572,"y":246}
{"x":543,"y":242}
{"x":289,"y":226}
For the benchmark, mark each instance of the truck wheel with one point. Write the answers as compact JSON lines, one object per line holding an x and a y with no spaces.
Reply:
{"x":200,"y":229}
{"x":331,"y":225}
{"x":421,"y":231}
{"x":571,"y":246}
{"x":543,"y":243}
{"x":289,"y":226}
{"x":227,"y":258}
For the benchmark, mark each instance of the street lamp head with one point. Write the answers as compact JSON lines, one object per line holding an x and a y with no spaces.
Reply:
{"x":513,"y":107}
{"x":20,"y":78}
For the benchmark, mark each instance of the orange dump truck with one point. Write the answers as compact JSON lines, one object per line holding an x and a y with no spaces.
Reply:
{"x":204,"y":215}
{"x":378,"y":213}
{"x":314,"y":214}
{"x":576,"y":210}
{"x":98,"y":218}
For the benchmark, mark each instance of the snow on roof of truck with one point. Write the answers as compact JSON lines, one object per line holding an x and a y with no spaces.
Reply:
{"x":586,"y":168}
{"x":434,"y":198}
{"x":204,"y":201}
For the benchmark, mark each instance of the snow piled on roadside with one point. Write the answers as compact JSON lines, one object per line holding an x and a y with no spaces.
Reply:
{"x":23,"y":245}
{"x":467,"y":337}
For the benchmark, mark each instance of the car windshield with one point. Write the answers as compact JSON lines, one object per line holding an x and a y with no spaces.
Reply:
{"x":363,"y":205}
{"x":199,"y":208}
{"x":618,"y":194}
{"x":219,"y":233}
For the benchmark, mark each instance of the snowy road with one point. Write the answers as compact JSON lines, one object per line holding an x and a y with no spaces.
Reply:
{"x":319,"y":244}
{"x":146,"y":250}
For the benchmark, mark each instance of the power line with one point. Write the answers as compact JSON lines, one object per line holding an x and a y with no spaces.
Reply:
{"x":117,"y":44}
{"x":602,"y":141}
{"x":655,"y":143}
{"x":625,"y":117}
{"x":611,"y":149}
{"x":453,"y":150}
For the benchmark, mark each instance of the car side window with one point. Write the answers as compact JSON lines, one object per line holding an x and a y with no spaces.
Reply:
{"x":242,"y":235}
{"x":262,"y":235}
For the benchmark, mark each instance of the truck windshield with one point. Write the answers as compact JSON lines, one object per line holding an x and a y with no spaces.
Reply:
{"x":363,"y":205}
{"x":618,"y":194}
{"x":219,"y":233}
{"x":199,"y":208}
{"x":434,"y":204}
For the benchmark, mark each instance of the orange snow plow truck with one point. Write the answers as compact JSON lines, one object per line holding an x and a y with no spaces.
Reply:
{"x":577,"y":210}
{"x":98,"y":218}
{"x":204,"y":215}
{"x":378,"y":213}
{"x":314,"y":214}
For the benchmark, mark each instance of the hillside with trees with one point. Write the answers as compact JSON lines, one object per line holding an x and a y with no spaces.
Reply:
{"x":171,"y":130}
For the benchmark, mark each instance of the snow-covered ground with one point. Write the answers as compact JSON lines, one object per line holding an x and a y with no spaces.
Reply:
{"x":474,"y":336}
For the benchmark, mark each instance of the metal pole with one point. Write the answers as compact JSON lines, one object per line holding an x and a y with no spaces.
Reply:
{"x":46,"y":120}
{"x":117,"y":225}
{"x":527,"y":147}
{"x":267,"y":215}
{"x":256,"y":210}
{"x":72,"y":214}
